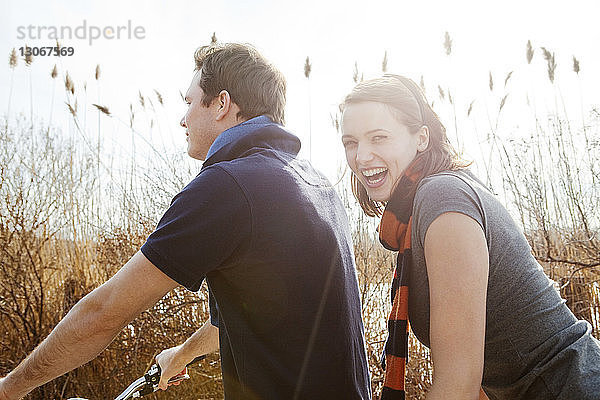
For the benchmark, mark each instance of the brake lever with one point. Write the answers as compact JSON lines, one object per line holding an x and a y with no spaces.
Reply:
{"x":149,"y":382}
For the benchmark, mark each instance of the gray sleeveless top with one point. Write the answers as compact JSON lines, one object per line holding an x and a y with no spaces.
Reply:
{"x":535,"y":348}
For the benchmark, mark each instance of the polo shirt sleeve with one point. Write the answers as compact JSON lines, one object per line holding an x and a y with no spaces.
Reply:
{"x":206,"y":227}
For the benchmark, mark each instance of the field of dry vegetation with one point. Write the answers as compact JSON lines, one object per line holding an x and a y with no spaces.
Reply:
{"x":69,"y":220}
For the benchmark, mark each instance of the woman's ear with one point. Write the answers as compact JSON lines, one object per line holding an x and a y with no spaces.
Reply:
{"x":423,"y":138}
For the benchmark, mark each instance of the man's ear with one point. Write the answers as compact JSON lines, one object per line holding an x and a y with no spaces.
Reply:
{"x":423,"y":138}
{"x":224,"y":105}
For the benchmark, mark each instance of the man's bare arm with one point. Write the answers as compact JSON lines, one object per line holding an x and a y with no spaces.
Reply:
{"x":90,"y":326}
{"x":172,"y":361}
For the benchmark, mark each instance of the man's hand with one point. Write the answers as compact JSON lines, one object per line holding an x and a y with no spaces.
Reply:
{"x":171,"y":362}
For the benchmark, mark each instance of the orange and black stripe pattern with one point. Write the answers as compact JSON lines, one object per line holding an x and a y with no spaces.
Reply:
{"x":394,"y":234}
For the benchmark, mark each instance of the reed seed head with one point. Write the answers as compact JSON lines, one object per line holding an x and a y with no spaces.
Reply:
{"x":213,"y":38}
{"x":442,"y":93}
{"x":507,"y":78}
{"x":529,"y":52}
{"x":307,"y":68}
{"x":447,"y":43}
{"x":72,"y":109}
{"x":69,"y":85}
{"x":159,"y":97}
{"x":54,"y":72}
{"x":551,"y":63}
{"x":491,"y":83}
{"x":503,"y":102}
{"x":384,"y":63}
{"x":97,"y":75}
{"x":102,"y":109}
{"x":12,"y":59}
{"x":470,"y":108}
{"x":28,"y":58}
{"x":576,"y":65}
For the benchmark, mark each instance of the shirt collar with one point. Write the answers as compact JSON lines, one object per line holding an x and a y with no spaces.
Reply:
{"x":236,"y":132}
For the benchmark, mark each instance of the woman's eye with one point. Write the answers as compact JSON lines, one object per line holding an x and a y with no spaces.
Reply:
{"x":348,"y":143}
{"x":379,"y":138}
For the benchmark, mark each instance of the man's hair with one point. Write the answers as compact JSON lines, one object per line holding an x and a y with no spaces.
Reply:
{"x":253,"y":83}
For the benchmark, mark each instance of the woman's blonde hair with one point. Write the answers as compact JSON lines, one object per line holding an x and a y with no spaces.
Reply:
{"x":407,"y":103}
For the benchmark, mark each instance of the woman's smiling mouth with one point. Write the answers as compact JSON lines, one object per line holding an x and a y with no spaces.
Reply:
{"x":374,"y":177}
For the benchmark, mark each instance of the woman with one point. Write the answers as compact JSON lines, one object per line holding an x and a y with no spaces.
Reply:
{"x":465,"y":275}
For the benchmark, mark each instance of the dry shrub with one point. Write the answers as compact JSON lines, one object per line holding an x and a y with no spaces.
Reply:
{"x":54,"y":250}
{"x":553,"y":181}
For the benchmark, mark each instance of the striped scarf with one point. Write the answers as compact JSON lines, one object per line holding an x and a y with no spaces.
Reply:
{"x":394,"y":234}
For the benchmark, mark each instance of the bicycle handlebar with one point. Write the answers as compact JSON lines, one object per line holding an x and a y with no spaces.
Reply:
{"x":149,"y":382}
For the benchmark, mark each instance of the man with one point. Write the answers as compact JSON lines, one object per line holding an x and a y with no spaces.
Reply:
{"x":267,"y":232}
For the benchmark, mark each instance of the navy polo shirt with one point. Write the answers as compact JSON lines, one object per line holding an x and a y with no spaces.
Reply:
{"x":270,"y":235}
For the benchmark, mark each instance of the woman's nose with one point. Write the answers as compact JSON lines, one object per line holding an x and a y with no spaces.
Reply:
{"x":182,"y":123}
{"x":363,"y":154}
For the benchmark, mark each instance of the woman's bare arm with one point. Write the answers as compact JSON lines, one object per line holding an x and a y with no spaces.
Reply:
{"x":457,"y":261}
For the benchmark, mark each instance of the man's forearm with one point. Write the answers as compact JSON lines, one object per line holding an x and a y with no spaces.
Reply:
{"x":77,"y":339}
{"x":205,"y":340}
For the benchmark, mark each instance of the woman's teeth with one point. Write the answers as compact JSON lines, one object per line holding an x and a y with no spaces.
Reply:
{"x":375,"y":175}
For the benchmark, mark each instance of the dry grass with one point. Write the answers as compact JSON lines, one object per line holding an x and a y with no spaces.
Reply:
{"x":68,"y":221}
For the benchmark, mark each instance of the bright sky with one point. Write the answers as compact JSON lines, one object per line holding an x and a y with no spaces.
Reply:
{"x":487,"y":37}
